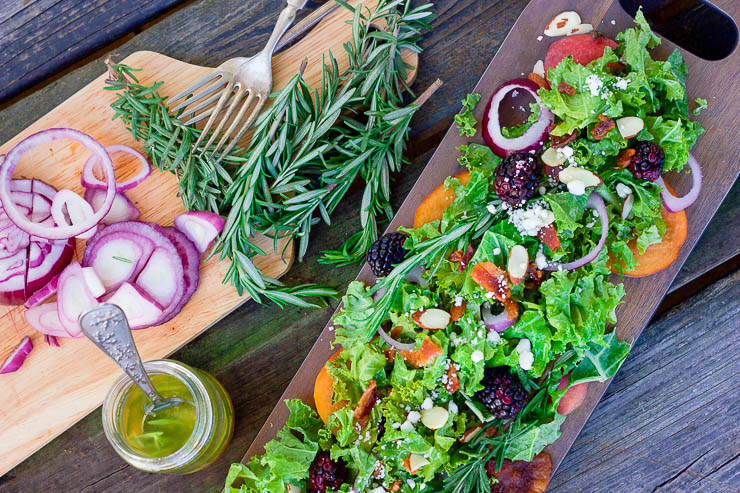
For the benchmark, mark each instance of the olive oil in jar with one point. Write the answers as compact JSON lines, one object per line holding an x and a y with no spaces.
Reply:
{"x":163,"y":432}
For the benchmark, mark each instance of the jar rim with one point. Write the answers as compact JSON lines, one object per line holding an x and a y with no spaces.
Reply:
{"x":198,"y":439}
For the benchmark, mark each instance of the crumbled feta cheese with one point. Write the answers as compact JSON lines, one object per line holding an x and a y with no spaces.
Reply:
{"x":427,"y":404}
{"x":542,"y":190}
{"x":539,"y":38}
{"x":497,"y":251}
{"x":594,"y":84}
{"x":458,"y":300}
{"x":623,"y":190}
{"x":613,"y":22}
{"x":514,"y":93}
{"x":540,"y":260}
{"x":577,"y":187}
{"x":622,"y":83}
{"x":413,"y":417}
{"x":452,"y":408}
{"x":396,"y":426}
{"x":407,"y":427}
{"x":379,"y":489}
{"x":476,"y":356}
{"x":411,"y":483}
{"x":530,"y":221}
{"x":491,"y":208}
{"x":493,"y":337}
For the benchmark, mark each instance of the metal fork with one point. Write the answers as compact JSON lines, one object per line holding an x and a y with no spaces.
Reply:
{"x":244,"y":77}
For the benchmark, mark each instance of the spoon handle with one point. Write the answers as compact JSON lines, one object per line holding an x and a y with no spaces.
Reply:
{"x":106,"y":326}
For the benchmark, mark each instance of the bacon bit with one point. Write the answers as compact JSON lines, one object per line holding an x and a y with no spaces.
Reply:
{"x":549,"y":236}
{"x":562,"y":140}
{"x":453,"y":383}
{"x":492,"y":279}
{"x":566,"y":88}
{"x":512,"y":309}
{"x":367,"y":401}
{"x":616,"y":66}
{"x":456,"y":312}
{"x":390,"y":354}
{"x":423,"y":356}
{"x":534,"y":277}
{"x":395,"y":487}
{"x":539,"y":80}
{"x":530,"y":477}
{"x":458,"y":256}
{"x":602,"y":128}
{"x":624,"y":158}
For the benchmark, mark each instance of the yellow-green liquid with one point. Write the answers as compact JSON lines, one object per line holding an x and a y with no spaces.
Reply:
{"x":163,"y":432}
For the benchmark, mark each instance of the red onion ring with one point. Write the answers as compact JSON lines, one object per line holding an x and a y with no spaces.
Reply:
{"x":78,"y":211}
{"x":597,"y":203}
{"x":394,"y":343}
{"x":89,"y":180}
{"x":532,"y":139}
{"x":7,"y":167}
{"x":17,"y":357}
{"x":498,"y":323}
{"x":676,"y":204}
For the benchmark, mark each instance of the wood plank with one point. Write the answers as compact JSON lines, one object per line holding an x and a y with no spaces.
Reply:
{"x":241,"y":346}
{"x":643,"y":295}
{"x":669,"y":419}
{"x":43,"y":37}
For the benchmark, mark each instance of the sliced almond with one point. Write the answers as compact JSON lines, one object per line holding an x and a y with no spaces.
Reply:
{"x":581,"y":29}
{"x":551,"y":157}
{"x":432,"y":319}
{"x":574,"y":173}
{"x":630,"y":126}
{"x":563,"y":23}
{"x":470,"y":434}
{"x":518,"y":262}
{"x":435,"y":417}
{"x":627,"y":205}
{"x":539,"y":68}
{"x":417,"y":461}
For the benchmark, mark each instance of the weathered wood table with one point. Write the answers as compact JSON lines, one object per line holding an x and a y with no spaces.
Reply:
{"x":669,"y":421}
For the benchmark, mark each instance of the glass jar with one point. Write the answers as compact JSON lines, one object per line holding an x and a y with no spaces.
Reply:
{"x":213,"y":421}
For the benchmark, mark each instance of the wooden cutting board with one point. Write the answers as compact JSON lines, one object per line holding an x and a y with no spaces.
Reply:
{"x":717,"y":150}
{"x":58,"y":386}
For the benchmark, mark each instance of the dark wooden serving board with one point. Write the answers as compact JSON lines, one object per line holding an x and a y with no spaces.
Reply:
{"x":718,"y":150}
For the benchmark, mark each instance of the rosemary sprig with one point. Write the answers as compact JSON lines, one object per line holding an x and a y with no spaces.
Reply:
{"x":306,"y":149}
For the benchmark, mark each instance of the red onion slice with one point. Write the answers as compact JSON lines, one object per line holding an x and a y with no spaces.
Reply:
{"x":498,"y":323}
{"x":394,"y":343}
{"x":17,"y":357}
{"x":73,"y":298}
{"x":532,"y":139}
{"x":123,"y":209}
{"x":596,"y":203}
{"x":51,"y":341}
{"x":676,"y":204}
{"x":7,"y":167}
{"x":200,"y":227}
{"x":77,"y":211}
{"x":45,"y":319}
{"x":47,"y":291}
{"x":89,"y":180}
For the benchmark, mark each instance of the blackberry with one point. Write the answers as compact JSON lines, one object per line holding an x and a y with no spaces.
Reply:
{"x":647,"y":161}
{"x":517,"y":178}
{"x":386,"y":252}
{"x":326,"y":473}
{"x":502,"y":394}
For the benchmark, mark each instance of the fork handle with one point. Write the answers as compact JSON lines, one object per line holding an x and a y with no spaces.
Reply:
{"x":287,"y":16}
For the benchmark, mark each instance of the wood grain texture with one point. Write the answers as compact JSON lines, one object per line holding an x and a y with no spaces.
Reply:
{"x":664,"y":426}
{"x":30,"y":422}
{"x":256,"y":350}
{"x":41,"y":37}
{"x":643,"y":295}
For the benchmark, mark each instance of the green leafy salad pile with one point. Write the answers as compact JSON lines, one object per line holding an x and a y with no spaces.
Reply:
{"x":564,"y":329}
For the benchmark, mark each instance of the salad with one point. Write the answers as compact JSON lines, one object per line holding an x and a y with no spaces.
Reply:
{"x":491,"y":316}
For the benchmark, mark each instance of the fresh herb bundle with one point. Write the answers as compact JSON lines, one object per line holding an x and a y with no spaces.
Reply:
{"x":306,"y":150}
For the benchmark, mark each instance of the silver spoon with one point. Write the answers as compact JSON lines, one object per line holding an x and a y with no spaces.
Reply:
{"x":107,"y":327}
